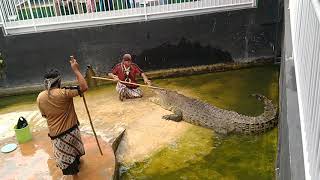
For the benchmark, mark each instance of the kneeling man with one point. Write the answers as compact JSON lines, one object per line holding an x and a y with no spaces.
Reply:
{"x":128,"y":71}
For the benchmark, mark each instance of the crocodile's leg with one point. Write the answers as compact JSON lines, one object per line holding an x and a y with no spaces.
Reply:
{"x":177,"y":116}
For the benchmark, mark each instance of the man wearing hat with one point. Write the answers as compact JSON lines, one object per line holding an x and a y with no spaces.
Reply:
{"x":128,"y":71}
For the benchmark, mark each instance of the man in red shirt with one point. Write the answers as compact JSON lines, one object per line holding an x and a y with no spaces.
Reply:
{"x":128,"y":71}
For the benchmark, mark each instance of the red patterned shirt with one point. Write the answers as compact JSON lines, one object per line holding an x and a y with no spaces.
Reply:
{"x":133,"y":71}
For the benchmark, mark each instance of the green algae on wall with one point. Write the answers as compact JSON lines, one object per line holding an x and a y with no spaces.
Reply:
{"x":201,"y":154}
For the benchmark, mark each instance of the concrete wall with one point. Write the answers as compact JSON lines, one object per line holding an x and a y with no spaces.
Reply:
{"x":290,"y":163}
{"x":205,"y":39}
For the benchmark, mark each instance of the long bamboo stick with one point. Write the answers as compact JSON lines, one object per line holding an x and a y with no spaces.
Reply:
{"x":87,"y":109}
{"x":94,"y":132}
{"x":109,"y":79}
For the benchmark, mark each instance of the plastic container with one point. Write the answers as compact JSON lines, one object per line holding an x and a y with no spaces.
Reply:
{"x":23,"y":135}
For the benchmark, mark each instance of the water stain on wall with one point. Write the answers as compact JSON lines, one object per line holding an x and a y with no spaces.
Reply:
{"x":184,"y":53}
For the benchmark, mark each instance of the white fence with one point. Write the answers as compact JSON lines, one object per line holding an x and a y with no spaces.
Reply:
{"x":305,"y":27}
{"x":27,"y":16}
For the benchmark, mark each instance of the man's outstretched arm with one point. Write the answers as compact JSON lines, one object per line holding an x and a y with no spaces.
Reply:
{"x":76,"y":69}
{"x":145,"y":79}
{"x":115,"y":77}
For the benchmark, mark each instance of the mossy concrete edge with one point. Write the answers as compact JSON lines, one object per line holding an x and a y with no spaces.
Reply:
{"x":157,"y":74}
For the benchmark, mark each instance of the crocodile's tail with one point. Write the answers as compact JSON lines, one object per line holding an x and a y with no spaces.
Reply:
{"x":262,"y":123}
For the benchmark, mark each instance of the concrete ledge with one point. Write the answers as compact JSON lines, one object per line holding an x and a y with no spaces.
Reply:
{"x":14,"y":91}
{"x":221,"y":67}
{"x":187,"y":71}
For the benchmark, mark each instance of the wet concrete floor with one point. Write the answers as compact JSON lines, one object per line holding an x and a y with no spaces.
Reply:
{"x":141,"y":118}
{"x":34,"y":160}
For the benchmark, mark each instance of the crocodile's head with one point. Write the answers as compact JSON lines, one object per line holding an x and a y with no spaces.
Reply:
{"x":164,"y":97}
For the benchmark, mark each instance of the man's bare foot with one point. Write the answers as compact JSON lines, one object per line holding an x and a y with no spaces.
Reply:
{"x":121,"y":96}
{"x":67,"y":177}
{"x":75,"y":177}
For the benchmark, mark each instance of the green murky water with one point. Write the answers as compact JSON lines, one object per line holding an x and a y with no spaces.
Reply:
{"x":201,"y":154}
{"x":16,"y":103}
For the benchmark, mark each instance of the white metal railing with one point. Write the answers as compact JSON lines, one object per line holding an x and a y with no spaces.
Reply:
{"x":305,"y":27}
{"x":36,"y":14}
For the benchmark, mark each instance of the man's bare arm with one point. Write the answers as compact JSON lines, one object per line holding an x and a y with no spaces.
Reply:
{"x":115,"y":77}
{"x":76,"y":69}
{"x":145,"y":79}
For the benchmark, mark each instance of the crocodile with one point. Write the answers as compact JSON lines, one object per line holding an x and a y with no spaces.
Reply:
{"x":220,"y":120}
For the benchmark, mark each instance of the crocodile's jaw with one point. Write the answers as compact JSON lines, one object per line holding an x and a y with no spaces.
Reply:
{"x":155,"y":100}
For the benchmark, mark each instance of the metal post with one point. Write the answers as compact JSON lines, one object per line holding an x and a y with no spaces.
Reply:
{"x":255,"y":3}
{"x":34,"y":25}
{"x":2,"y":19}
{"x":145,"y":10}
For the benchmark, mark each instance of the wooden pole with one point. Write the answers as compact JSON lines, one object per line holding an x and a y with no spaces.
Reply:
{"x":109,"y":79}
{"x":94,"y":132}
{"x":85,"y":104}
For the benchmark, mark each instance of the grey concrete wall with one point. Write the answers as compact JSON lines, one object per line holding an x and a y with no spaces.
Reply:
{"x":290,"y":162}
{"x":290,"y":154}
{"x":186,"y":41}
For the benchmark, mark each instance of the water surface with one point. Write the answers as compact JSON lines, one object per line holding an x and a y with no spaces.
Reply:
{"x":202,"y":154}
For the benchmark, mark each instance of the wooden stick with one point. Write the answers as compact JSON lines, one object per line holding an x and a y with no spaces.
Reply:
{"x":108,"y":79}
{"x":85,"y":104}
{"x":94,"y":132}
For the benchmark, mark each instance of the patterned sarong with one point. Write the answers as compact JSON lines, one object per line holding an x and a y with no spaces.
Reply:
{"x":127,"y":92}
{"x":67,"y":150}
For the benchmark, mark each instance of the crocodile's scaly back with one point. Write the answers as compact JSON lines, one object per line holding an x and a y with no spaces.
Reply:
{"x":222,"y":121}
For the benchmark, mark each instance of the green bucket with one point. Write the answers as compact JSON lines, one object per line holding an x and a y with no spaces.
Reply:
{"x":23,"y":135}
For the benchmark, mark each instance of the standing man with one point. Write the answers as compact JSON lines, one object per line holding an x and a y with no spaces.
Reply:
{"x":91,"y":6}
{"x":67,"y":7}
{"x":106,"y":5}
{"x":56,"y":105}
{"x":131,"y":3}
{"x":2,"y":71}
{"x":128,"y":71}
